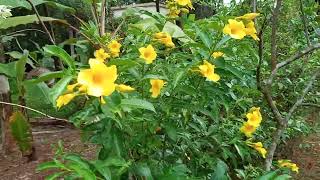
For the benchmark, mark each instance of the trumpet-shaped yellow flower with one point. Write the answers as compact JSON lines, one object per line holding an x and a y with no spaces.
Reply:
{"x":156,"y":86}
{"x":124,"y":88}
{"x":249,"y":16}
{"x":207,"y":70}
{"x":64,"y":99}
{"x":71,"y":87}
{"x":148,"y":54}
{"x":99,"y":79}
{"x":217,"y":54}
{"x":101,"y":55}
{"x":184,"y":2}
{"x":235,"y":29}
{"x":259,"y":147}
{"x":254,"y":118}
{"x":164,"y":38}
{"x":115,"y":54}
{"x":251,"y":30}
{"x":288,"y":164}
{"x":248,"y":129}
{"x":114,"y":46}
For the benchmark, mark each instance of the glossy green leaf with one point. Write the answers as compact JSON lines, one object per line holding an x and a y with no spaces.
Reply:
{"x":47,"y":166}
{"x":61,"y":53}
{"x":8,"y":69}
{"x":59,"y":88}
{"x":21,"y":131}
{"x":138,"y":104}
{"x":22,"y":20}
{"x":54,"y":176}
{"x":46,"y":77}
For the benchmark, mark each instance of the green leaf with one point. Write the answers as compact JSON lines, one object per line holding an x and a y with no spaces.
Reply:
{"x":178,"y":77}
{"x":8,"y":69}
{"x":21,"y":131}
{"x":86,"y":174}
{"x":77,"y":159}
{"x":21,"y":20}
{"x":47,"y":165}
{"x":222,"y":41}
{"x":20,"y":67}
{"x":176,"y":32}
{"x":25,"y":4}
{"x":220,"y":171}
{"x":58,"y":88}
{"x":269,"y":176}
{"x":147,"y":24}
{"x":154,"y":76}
{"x":54,"y":176}
{"x":142,"y":169}
{"x":283,"y":177}
{"x":45,"y":77}
{"x":138,"y":104}
{"x":205,"y":38}
{"x":103,"y":169}
{"x":61,"y":53}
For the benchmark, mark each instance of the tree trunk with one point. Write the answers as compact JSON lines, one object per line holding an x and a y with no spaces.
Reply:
{"x":8,"y":143}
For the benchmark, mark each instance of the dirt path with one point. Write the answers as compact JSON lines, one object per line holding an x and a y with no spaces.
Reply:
{"x":306,"y":153}
{"x":14,"y":168}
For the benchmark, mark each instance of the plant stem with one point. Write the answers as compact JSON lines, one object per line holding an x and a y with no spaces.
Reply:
{"x":34,"y":110}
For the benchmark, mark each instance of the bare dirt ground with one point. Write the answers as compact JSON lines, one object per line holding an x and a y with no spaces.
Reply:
{"x":16,"y":168}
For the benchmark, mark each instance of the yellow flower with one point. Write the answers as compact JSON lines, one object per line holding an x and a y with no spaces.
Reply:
{"x":99,"y":79}
{"x":124,"y":88}
{"x":164,"y":38}
{"x":71,"y":87}
{"x":115,"y":54}
{"x":207,"y":70}
{"x":148,"y":54}
{"x":254,"y":118}
{"x":249,"y":16}
{"x":64,"y":99}
{"x":217,"y":54}
{"x":156,"y":86}
{"x":288,"y":164}
{"x":294,"y":168}
{"x":259,"y":147}
{"x":114,"y":46}
{"x":248,"y":129}
{"x":235,"y":29}
{"x":183,"y":2}
{"x":251,"y":30}
{"x":101,"y":55}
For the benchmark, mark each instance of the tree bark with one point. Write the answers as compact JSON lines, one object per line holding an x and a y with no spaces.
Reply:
{"x":8,"y":143}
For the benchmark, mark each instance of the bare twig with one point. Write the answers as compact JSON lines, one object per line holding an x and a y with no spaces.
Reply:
{"x":34,"y":110}
{"x":103,"y":18}
{"x":304,"y":21}
{"x":41,"y":22}
{"x":276,"y":13}
{"x":118,"y":28}
{"x":23,"y":30}
{"x":311,"y":105}
{"x":304,"y":93}
{"x":292,"y":59}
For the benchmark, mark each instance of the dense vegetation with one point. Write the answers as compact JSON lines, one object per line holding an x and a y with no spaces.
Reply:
{"x":162,"y":96}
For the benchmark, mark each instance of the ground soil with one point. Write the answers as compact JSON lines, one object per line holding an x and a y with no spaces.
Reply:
{"x":14,"y":167}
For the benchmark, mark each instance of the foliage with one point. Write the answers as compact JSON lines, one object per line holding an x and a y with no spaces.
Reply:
{"x":163,"y":101}
{"x":21,"y":131}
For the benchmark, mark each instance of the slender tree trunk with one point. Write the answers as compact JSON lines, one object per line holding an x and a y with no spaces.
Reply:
{"x":8,"y":143}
